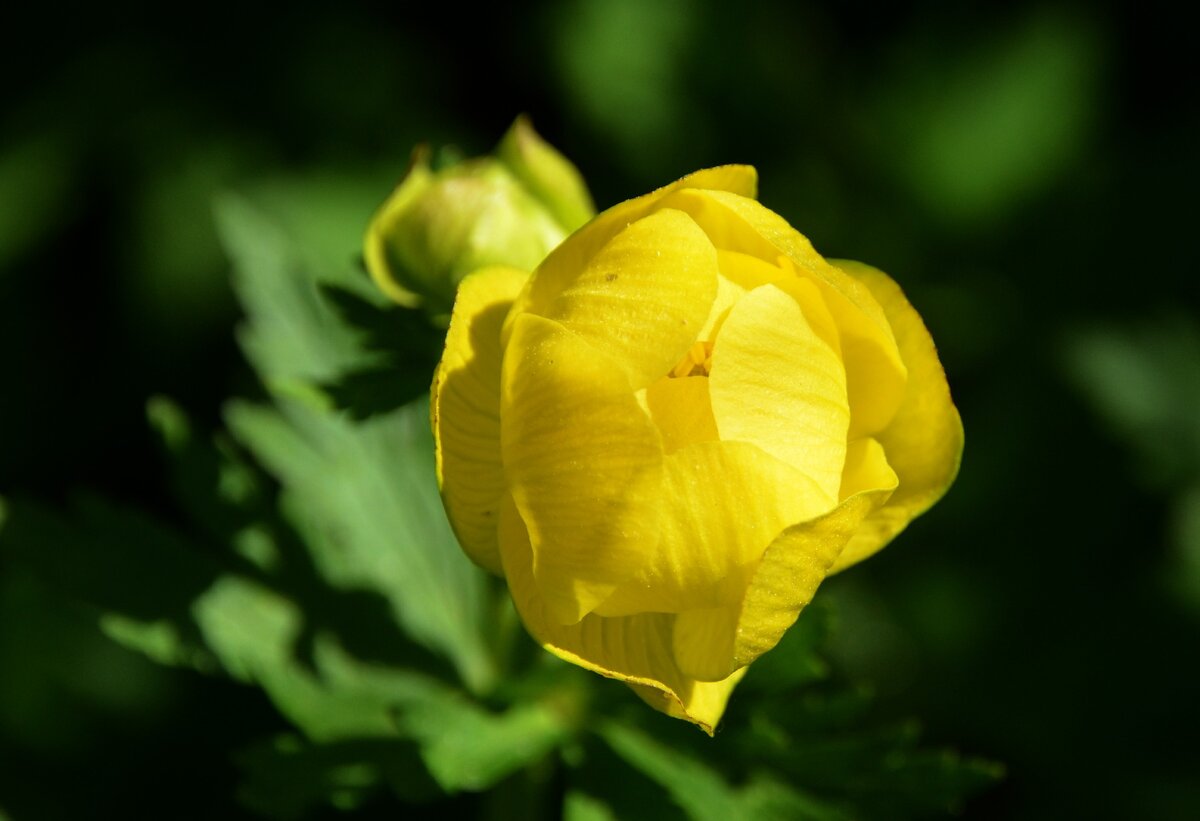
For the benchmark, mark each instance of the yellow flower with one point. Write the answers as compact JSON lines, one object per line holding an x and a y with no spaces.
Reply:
{"x":684,"y":420}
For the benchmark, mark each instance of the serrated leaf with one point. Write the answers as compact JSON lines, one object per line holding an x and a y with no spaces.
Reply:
{"x":338,"y":698}
{"x":469,"y":748}
{"x":363,"y":497}
{"x":464,"y":746}
{"x":291,"y":338}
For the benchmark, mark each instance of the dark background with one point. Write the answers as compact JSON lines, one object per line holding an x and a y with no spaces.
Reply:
{"x":1027,"y":174}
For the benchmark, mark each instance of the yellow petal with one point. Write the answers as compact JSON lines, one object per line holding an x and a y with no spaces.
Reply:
{"x":633,"y":649}
{"x":867,"y":468}
{"x":924,"y":441}
{"x":710,"y":644}
{"x":776,"y":384}
{"x":565,"y":262}
{"x":681,"y":411}
{"x":583,"y":461}
{"x":465,"y":411}
{"x":644,"y":297}
{"x":721,"y":504}
{"x":875,"y":370}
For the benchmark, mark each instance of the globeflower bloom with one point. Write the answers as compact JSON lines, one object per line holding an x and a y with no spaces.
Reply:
{"x":671,"y":432}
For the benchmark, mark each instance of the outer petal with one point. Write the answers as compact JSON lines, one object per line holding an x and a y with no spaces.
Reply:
{"x":925,"y":438}
{"x":634,"y":649}
{"x":710,"y":644}
{"x":465,"y":411}
{"x":583,"y":462}
{"x":375,"y":254}
{"x":563,"y":264}
{"x":721,"y":504}
{"x":776,"y":384}
{"x":644,"y":296}
{"x":873,"y":363}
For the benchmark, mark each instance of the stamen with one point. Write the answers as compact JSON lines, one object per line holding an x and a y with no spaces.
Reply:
{"x":696,"y":362}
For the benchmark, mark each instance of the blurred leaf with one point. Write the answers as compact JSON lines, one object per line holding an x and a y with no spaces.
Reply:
{"x":60,"y":674}
{"x":703,"y":793}
{"x":36,"y":187}
{"x":287,"y":777}
{"x":1183,"y":577}
{"x":623,"y":64}
{"x":117,"y":561}
{"x":469,"y":748}
{"x":766,"y":798}
{"x":823,"y":744}
{"x":219,"y":491}
{"x":177,"y":269}
{"x":579,"y":806}
{"x":695,"y":787}
{"x":796,"y":660}
{"x":976,"y":128}
{"x":1144,"y":380}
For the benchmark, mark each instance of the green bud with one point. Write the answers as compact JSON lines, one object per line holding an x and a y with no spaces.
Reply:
{"x":509,"y":209}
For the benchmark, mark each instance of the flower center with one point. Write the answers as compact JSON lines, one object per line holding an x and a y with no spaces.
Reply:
{"x":696,"y":362}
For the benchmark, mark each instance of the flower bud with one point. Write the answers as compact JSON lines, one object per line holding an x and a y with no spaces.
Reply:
{"x":509,"y":209}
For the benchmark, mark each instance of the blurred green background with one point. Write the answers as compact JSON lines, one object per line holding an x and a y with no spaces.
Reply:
{"x":1025,"y":172}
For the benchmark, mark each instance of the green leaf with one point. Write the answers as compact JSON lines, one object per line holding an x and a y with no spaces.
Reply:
{"x":469,"y":748}
{"x":766,"y":798}
{"x":410,"y":347}
{"x":37,"y":173}
{"x":796,"y":660}
{"x":362,"y":496}
{"x":220,"y":492}
{"x":405,"y":334}
{"x":579,"y":806}
{"x":981,"y":124}
{"x":1144,"y":381}
{"x":287,"y":777}
{"x":364,"y":499}
{"x":694,"y":786}
{"x":292,"y":338}
{"x":338,"y":698}
{"x":823,"y":745}
{"x":702,"y":792}
{"x":139,"y":573}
